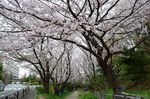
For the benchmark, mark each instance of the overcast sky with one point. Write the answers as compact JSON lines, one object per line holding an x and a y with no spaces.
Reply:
{"x":23,"y":72}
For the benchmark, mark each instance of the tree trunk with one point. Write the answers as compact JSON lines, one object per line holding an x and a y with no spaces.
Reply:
{"x":59,"y":90}
{"x":62,"y":89}
{"x":46,"y":86}
{"x":110,"y":76}
{"x":56,"y":90}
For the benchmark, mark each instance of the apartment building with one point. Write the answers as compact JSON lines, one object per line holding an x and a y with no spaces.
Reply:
{"x":11,"y":67}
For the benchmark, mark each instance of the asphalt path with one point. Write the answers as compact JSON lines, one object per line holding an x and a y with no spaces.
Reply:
{"x":31,"y":94}
{"x":11,"y":88}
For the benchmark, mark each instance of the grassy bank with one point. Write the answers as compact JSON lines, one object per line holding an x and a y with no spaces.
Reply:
{"x":42,"y":95}
{"x":87,"y":95}
{"x":145,"y":93}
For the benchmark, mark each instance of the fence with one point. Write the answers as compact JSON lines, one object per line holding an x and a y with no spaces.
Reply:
{"x":115,"y":96}
{"x":126,"y":97}
{"x":16,"y":94}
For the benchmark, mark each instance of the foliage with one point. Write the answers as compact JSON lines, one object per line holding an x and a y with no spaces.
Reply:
{"x":132,"y":65}
{"x":97,"y":83}
{"x":29,"y":78}
{"x":145,"y":93}
{"x":87,"y":95}
{"x":72,"y":86}
{"x":41,"y":93}
{"x":40,"y":90}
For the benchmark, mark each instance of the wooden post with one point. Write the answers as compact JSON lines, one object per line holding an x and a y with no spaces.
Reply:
{"x":28,"y":88}
{"x":6,"y":97}
{"x":17,"y":94}
{"x":23,"y":93}
{"x":25,"y":90}
{"x":113,"y":96}
{"x":125,"y":96}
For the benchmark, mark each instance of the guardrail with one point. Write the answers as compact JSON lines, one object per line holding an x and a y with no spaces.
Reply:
{"x":116,"y":96}
{"x":16,"y":94}
{"x":122,"y":96}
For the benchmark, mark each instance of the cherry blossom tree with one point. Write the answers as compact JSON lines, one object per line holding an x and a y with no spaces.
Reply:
{"x":101,"y":27}
{"x":46,"y":57}
{"x":89,"y":65}
{"x":50,"y":63}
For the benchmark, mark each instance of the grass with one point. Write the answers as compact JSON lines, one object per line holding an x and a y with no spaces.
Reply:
{"x":145,"y":94}
{"x":87,"y":95}
{"x":42,"y":95}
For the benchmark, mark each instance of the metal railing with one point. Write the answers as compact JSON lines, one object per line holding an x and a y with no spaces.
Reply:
{"x":16,"y":94}
{"x":122,"y":96}
{"x":116,"y":96}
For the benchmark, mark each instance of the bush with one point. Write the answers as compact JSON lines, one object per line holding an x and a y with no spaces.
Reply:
{"x":34,"y":83}
{"x":42,"y":95}
{"x":87,"y":95}
{"x":40,"y":90}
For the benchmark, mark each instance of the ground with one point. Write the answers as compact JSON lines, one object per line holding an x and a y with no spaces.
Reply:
{"x":31,"y":94}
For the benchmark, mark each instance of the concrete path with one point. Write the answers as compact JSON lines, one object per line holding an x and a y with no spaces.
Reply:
{"x":31,"y":94}
{"x":74,"y":95}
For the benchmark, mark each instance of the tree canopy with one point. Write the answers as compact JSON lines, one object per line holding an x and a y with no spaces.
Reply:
{"x":100,"y":27}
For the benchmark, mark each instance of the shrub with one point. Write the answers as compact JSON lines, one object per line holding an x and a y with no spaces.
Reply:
{"x":40,"y":90}
{"x":87,"y":95}
{"x":42,"y":95}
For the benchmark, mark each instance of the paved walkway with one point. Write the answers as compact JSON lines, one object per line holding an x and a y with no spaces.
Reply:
{"x":31,"y":94}
{"x":74,"y":95}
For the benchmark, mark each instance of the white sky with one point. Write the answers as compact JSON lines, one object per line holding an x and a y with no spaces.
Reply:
{"x":23,"y":72}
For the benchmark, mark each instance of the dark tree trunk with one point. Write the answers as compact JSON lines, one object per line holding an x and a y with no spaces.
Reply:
{"x":56,"y":90}
{"x":110,"y":76}
{"x":63,"y":87}
{"x":47,"y":78}
{"x":59,"y":90}
{"x":46,"y":86}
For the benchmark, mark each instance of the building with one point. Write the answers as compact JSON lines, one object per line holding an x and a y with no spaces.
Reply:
{"x":11,"y":67}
